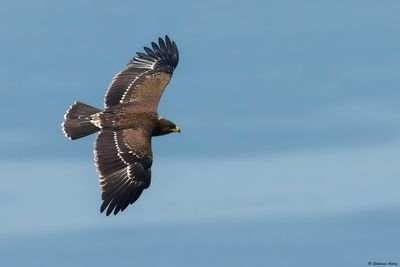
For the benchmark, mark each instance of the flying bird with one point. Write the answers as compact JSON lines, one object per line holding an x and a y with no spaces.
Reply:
{"x":122,"y":150}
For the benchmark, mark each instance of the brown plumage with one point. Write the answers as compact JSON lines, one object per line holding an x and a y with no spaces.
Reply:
{"x":123,"y":152}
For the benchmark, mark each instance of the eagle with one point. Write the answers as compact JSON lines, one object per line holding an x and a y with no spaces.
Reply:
{"x":122,"y":150}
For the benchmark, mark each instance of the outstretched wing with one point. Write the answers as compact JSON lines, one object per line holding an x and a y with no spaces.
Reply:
{"x":145,"y":77}
{"x":123,"y":160}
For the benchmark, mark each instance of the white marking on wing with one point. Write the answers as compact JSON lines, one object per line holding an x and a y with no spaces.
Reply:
{"x":144,"y":63}
{"x":131,"y":84}
{"x":119,"y":149}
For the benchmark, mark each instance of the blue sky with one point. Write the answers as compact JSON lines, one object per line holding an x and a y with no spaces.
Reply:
{"x":289,"y":120}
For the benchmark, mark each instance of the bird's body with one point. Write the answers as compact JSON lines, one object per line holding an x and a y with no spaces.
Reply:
{"x":123,"y":152}
{"x":121,"y":118}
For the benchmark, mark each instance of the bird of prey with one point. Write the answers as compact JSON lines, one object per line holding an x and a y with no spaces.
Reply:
{"x":122,"y":149}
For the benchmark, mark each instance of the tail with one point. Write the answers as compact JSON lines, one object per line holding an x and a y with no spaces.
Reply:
{"x":77,"y":121}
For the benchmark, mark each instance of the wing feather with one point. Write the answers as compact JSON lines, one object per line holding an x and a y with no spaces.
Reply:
{"x":123,"y":160}
{"x":137,"y":80}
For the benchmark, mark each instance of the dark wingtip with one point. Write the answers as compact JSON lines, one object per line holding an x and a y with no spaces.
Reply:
{"x":164,"y":54}
{"x":156,"y":48}
{"x":167,"y":39}
{"x":150,"y":52}
{"x":109,"y":208}
{"x":176,"y":52}
{"x":163,"y":47}
{"x":108,"y":211}
{"x":103,"y":206}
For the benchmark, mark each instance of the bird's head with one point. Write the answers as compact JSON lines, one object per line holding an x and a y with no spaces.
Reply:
{"x":165,"y":127}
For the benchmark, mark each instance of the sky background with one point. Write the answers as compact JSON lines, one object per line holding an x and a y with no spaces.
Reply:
{"x":290,"y":137}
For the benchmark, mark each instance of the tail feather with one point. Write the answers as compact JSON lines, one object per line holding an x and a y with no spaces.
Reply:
{"x":77,"y":121}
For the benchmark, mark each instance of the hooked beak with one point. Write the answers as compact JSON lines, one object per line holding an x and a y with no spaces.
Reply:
{"x":177,"y":129}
